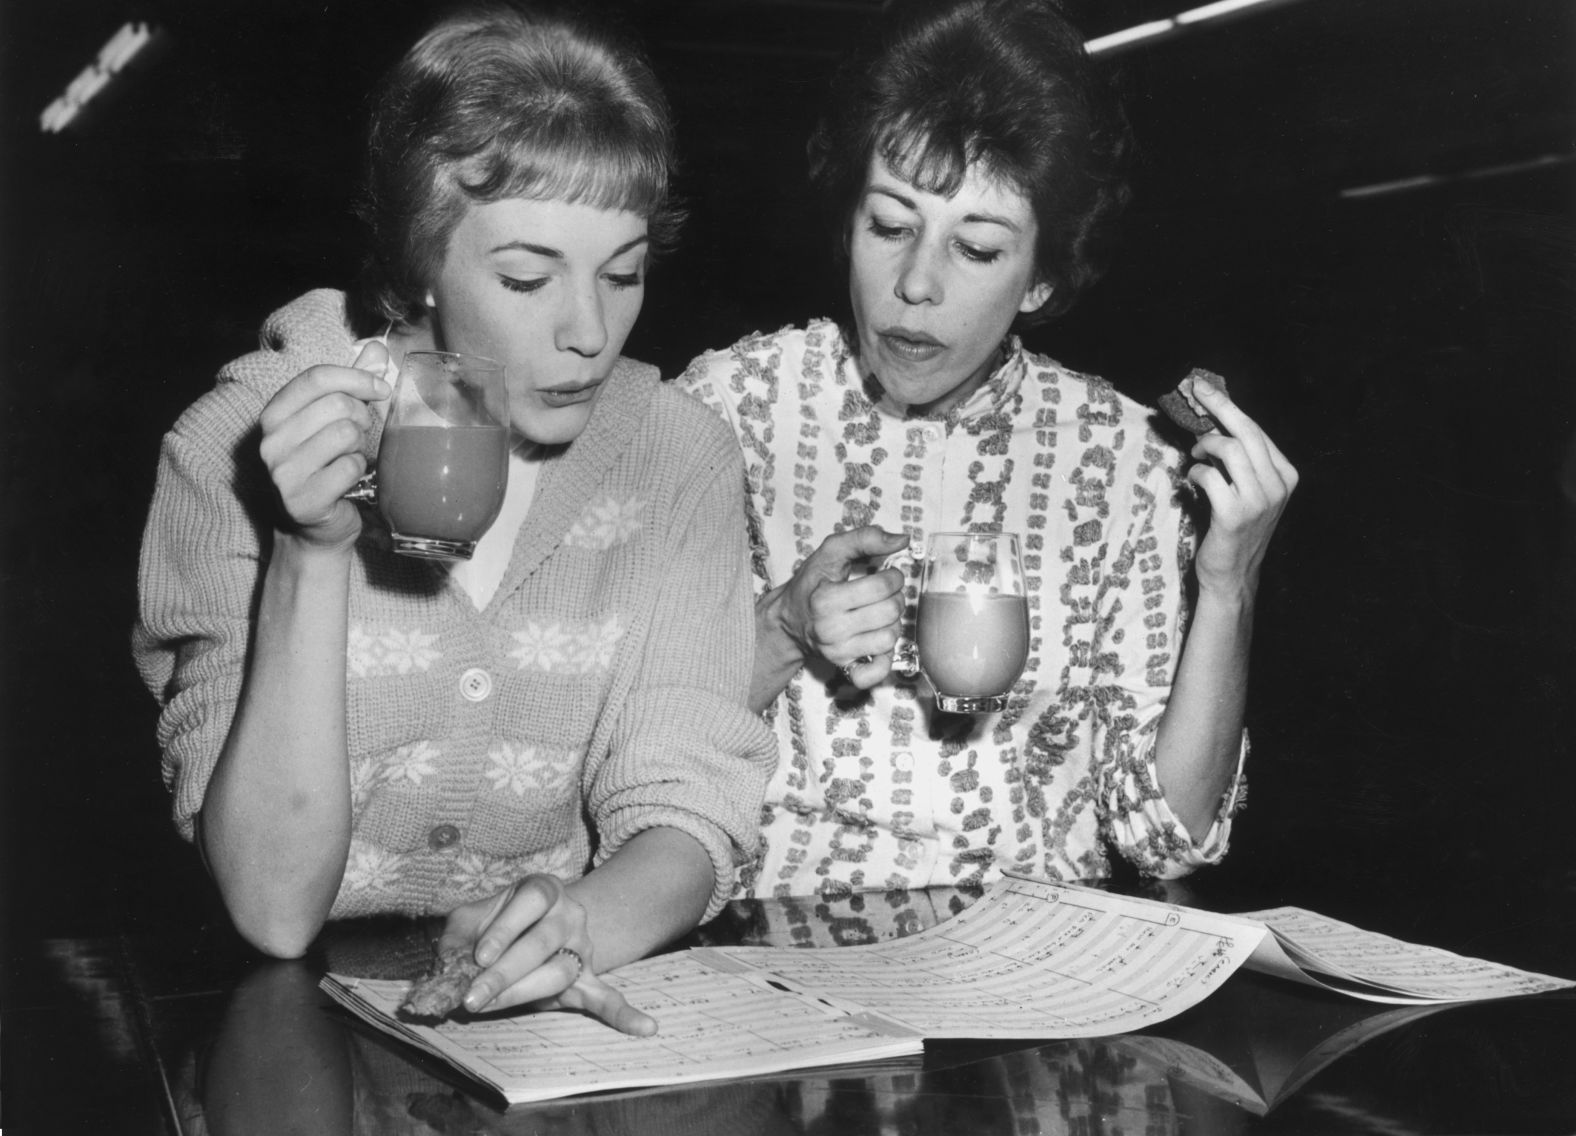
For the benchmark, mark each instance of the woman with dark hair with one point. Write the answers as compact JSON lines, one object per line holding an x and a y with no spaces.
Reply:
{"x":970,"y":165}
{"x":548,"y":743}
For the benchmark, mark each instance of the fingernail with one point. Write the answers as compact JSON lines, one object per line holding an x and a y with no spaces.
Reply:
{"x":477,"y":997}
{"x":486,"y":952}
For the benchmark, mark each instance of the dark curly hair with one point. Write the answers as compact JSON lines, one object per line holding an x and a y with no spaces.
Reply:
{"x":497,"y":102}
{"x":1005,"y":84}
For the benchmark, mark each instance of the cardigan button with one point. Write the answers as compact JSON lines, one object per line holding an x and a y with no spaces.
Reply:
{"x":475,"y":685}
{"x":444,"y":836}
{"x":903,"y":761}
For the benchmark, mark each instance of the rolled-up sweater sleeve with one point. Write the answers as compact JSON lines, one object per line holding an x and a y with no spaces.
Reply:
{"x":685,"y":752}
{"x":197,"y":582}
{"x":203,"y":545}
{"x":1142,"y":623}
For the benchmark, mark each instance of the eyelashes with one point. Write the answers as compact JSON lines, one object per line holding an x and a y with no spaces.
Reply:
{"x":894,"y":233}
{"x":619,"y":280}
{"x":515,"y":284}
{"x":978,"y":255}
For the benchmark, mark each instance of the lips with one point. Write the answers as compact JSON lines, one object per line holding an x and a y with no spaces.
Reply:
{"x":568,"y":396}
{"x":910,"y":345}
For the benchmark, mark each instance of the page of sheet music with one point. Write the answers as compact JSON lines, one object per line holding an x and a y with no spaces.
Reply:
{"x":711,"y":1026}
{"x":1412,"y":971}
{"x":1030,"y":959}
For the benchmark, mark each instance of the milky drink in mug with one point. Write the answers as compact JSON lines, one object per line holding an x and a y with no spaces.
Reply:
{"x":443,"y":483}
{"x":443,"y":458}
{"x":971,"y":637}
{"x":972,"y":644}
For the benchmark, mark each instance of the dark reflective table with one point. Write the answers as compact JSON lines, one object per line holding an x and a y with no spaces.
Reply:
{"x":185,"y":1032}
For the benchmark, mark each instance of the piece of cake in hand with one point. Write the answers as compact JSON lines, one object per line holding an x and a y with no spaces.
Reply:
{"x":1183,"y":408}
{"x":441,"y":992}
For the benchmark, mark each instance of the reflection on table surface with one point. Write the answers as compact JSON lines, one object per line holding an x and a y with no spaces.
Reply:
{"x":228,"y":1044}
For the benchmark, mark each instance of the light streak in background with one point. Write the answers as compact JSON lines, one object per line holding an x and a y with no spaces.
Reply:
{"x":122,"y":47}
{"x":1401,"y":185}
{"x":1175,"y":25}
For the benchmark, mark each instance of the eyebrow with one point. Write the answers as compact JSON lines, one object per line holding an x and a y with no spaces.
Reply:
{"x":557,"y":254}
{"x":972,"y":218}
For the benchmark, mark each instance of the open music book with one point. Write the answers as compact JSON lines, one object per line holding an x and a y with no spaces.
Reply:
{"x":1030,"y":960}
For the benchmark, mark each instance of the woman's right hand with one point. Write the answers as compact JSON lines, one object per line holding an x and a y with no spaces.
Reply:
{"x":534,"y":941}
{"x":852,"y":623}
{"x":314,"y":431}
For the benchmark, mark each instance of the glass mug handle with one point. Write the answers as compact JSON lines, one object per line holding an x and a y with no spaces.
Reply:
{"x":905,"y":652}
{"x":365,"y":490}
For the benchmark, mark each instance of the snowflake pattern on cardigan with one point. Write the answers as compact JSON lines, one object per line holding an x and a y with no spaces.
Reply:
{"x":599,"y":693}
{"x":567,"y":646}
{"x":606,"y":522}
{"x":880,"y":790}
{"x":388,"y":651}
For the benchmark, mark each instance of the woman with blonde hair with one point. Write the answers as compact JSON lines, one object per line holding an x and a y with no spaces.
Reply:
{"x":549,"y":743}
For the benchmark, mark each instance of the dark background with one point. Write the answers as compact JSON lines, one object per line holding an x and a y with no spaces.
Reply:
{"x":1411,"y":351}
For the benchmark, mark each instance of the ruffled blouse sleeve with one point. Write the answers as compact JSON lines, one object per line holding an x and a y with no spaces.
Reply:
{"x":1141,"y":623}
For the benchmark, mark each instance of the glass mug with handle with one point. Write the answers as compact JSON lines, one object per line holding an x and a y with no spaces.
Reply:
{"x":972,"y":632}
{"x":443,"y":458}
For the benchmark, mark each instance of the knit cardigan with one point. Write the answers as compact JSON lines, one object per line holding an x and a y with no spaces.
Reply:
{"x":601,"y":691}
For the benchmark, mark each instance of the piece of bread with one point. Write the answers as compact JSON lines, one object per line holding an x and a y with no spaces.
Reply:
{"x":1178,"y":404}
{"x":441,"y":992}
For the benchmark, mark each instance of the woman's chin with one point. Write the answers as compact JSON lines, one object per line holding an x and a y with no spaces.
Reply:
{"x":917,"y":392}
{"x":552,"y":426}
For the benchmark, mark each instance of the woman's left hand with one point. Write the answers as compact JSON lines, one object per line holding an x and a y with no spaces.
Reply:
{"x":533,"y":940}
{"x":1246,"y":500}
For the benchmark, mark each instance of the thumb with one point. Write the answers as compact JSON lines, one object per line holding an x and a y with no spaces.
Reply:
{"x":374,"y":358}
{"x":846,"y":548}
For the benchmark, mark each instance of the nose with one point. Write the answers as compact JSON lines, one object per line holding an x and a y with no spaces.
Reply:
{"x":581,"y":326}
{"x":919,"y":275}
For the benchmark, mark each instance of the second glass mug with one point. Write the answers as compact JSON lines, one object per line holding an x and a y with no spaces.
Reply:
{"x":443,"y":458}
{"x":972,"y":631}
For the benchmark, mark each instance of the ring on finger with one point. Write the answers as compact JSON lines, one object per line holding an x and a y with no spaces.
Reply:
{"x":847,"y":668}
{"x":571,"y":953}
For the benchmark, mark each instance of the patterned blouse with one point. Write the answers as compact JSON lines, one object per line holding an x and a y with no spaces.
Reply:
{"x":878,"y":789}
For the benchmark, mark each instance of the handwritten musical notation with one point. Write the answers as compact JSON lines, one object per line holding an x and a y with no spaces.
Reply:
{"x":1031,"y":959}
{"x":714,"y":1025}
{"x":1369,"y":965}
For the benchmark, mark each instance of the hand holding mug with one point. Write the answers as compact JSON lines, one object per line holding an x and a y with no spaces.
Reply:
{"x":851,"y":621}
{"x":443,"y":458}
{"x":315,"y":432}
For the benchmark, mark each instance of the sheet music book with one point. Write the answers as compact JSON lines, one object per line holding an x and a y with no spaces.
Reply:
{"x":1031,"y":959}
{"x":1312,"y":948}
